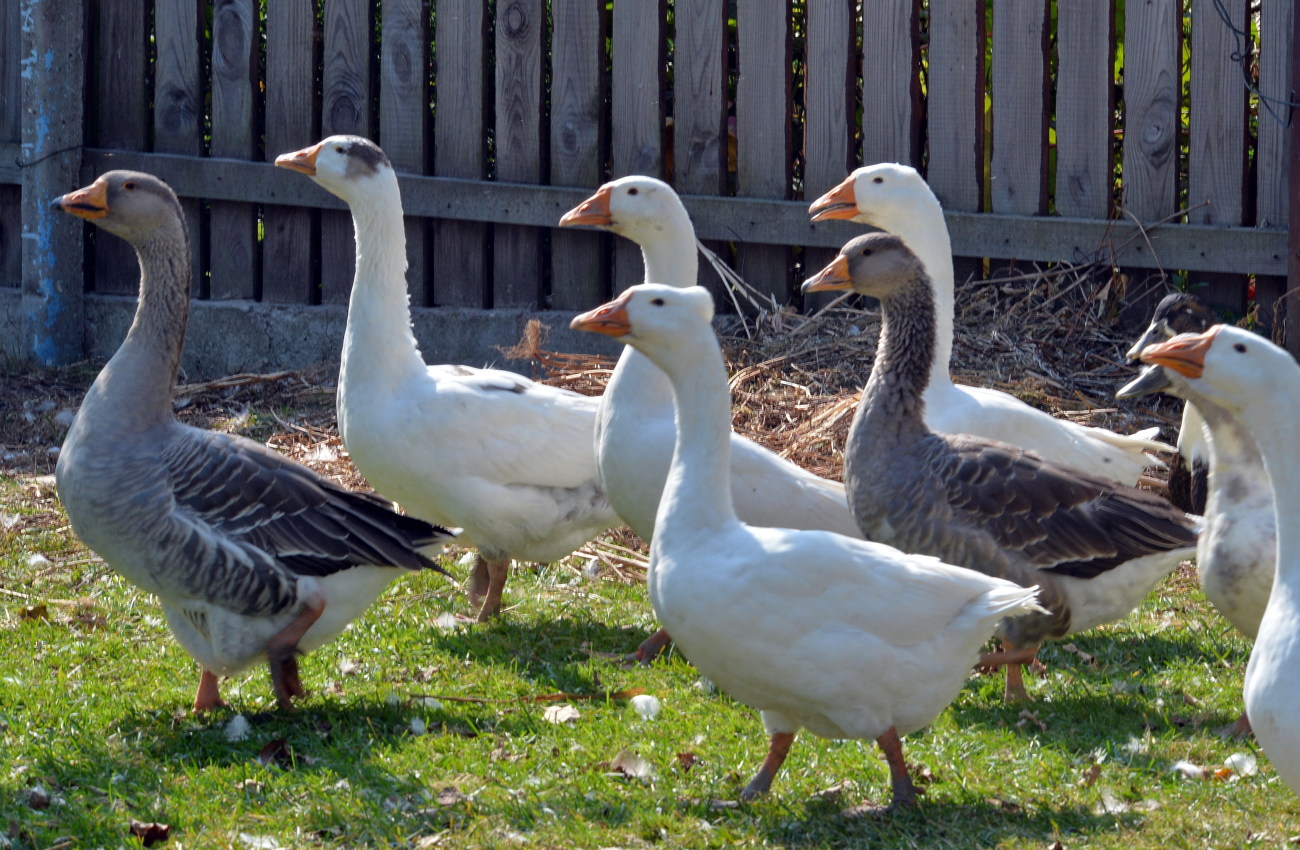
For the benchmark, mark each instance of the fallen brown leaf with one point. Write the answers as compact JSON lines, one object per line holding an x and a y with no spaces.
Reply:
{"x":38,"y":611}
{"x":1090,"y":776}
{"x":1027,"y":716}
{"x":151,"y":833}
{"x":276,"y":752}
{"x":450,"y":796}
{"x":687,"y":760}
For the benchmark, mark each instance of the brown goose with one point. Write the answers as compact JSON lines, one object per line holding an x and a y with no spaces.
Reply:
{"x":251,"y":555}
{"x":1094,"y":546}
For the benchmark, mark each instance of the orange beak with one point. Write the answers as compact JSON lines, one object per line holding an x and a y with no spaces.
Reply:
{"x":303,"y":161}
{"x":1185,"y":353}
{"x":593,"y":212}
{"x":608,"y":319}
{"x":837,"y":203}
{"x":835,"y":276}
{"x":90,"y":202}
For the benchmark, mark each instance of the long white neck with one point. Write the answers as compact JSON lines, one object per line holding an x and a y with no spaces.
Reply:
{"x":698,"y":492}
{"x":1274,"y":427}
{"x":926,"y":233}
{"x":670,"y":257}
{"x":379,"y":347}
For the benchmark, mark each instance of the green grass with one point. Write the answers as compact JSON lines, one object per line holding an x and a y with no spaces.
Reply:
{"x":94,"y":698}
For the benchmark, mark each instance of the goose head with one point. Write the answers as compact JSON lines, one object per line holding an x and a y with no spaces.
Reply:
{"x":350,"y":167}
{"x":890,"y":196}
{"x":1228,"y":365}
{"x":1177,"y":313}
{"x":634,"y":207}
{"x":129,"y":204}
{"x":875,"y":264}
{"x":654,"y":318}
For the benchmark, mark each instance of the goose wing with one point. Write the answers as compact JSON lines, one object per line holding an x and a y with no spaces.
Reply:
{"x":245,"y":522}
{"x":1057,"y":518}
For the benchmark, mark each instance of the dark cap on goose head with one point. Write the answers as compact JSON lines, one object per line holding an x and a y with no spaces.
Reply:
{"x":1177,"y":313}
{"x":876,"y":264}
{"x":129,"y":204}
{"x":362,"y":157}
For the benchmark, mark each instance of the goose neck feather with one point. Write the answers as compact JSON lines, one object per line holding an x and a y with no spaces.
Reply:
{"x":698,"y":491}
{"x":893,"y":404}
{"x":379,"y":347}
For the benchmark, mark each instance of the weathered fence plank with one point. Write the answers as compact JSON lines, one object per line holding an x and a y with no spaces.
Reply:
{"x":891,"y":83}
{"x":52,"y":135}
{"x":577,"y":63}
{"x":1084,"y":104}
{"x":345,"y":108}
{"x":1216,"y":161}
{"x":637,"y":110}
{"x":121,"y":117}
{"x":1272,"y":179}
{"x":1019,"y":159}
{"x":830,"y":31}
{"x":11,"y":130}
{"x":1276,"y":89}
{"x":699,"y":129}
{"x":1151,"y":109}
{"x":179,"y":108}
{"x":404,"y":119}
{"x":520,"y":33}
{"x":956,"y":103}
{"x":763,"y":106}
{"x":289,"y":245}
{"x":233,"y":227}
{"x":462,"y":274}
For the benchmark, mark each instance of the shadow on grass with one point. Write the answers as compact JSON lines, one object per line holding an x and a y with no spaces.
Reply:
{"x":555,"y":654}
{"x":935,"y":824}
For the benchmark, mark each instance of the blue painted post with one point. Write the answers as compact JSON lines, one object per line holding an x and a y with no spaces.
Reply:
{"x":53,"y":74}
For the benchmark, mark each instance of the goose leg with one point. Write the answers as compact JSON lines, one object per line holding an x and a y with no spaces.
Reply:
{"x":1012,"y":658}
{"x":776,"y":753}
{"x":282,"y":649}
{"x":497,"y":571}
{"x":650,"y":648}
{"x":478,"y":582}
{"x":904,"y":792}
{"x":209,"y":694}
{"x":1237,"y":730}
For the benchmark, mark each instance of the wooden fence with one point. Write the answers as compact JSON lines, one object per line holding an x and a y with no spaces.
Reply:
{"x":1049,"y":129}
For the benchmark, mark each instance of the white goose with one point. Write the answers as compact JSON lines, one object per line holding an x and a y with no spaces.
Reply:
{"x":508,"y":460}
{"x":1236,"y":553}
{"x":1258,"y":383}
{"x":253,"y":556}
{"x":895,"y":198}
{"x":845,"y":638}
{"x":636,"y":431}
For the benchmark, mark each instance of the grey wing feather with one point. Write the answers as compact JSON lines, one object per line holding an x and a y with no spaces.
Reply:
{"x":1058,"y":518}
{"x":257,"y":520}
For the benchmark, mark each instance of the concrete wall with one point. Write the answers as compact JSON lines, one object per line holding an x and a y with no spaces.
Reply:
{"x":226,"y":337}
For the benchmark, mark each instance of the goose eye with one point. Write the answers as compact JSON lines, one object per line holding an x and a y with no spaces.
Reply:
{"x":632,"y":191}
{"x":129,"y":185}
{"x":866,"y":252}
{"x":877,"y":180}
{"x":340,"y":149}
{"x":658,"y":302}
{"x":1240,"y":348}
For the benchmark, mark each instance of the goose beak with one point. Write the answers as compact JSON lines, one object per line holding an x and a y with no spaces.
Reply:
{"x":303,"y":161}
{"x":609,"y":319}
{"x":593,"y":212}
{"x":833,"y":277}
{"x":1152,"y":379}
{"x":89,"y":203}
{"x":839,"y":202}
{"x":1185,"y":353}
{"x":1158,"y":332}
